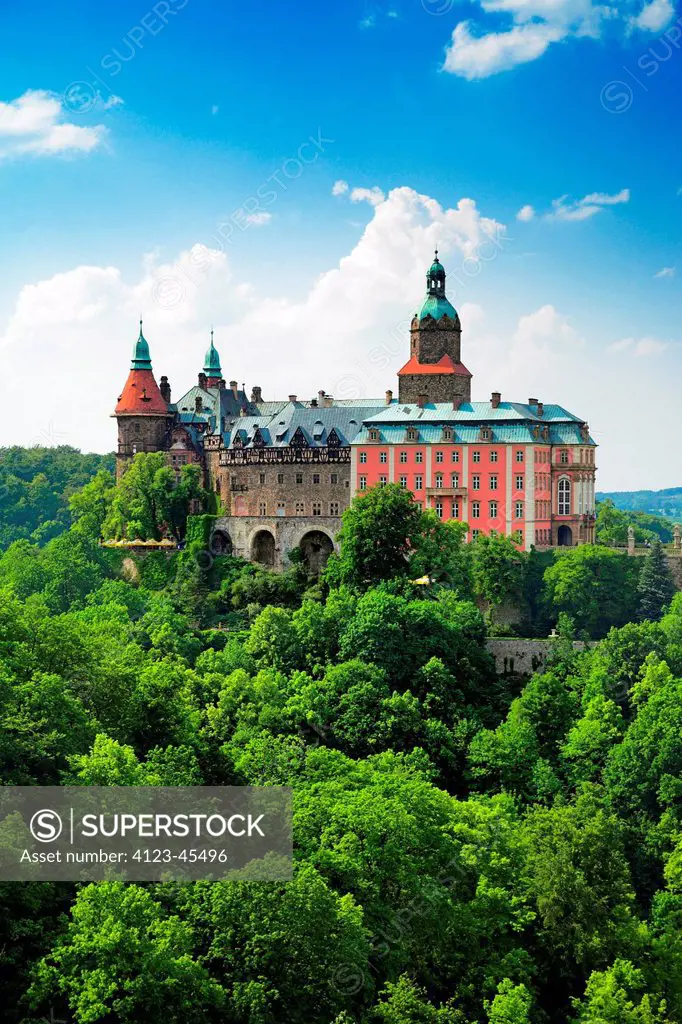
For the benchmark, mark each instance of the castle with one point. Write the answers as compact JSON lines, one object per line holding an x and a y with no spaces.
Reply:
{"x":284,"y":471}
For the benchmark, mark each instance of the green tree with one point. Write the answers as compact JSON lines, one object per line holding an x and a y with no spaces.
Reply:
{"x":149,"y":498}
{"x":618,"y":996}
{"x":595,"y":586}
{"x":498,"y":569}
{"x":377,"y":536}
{"x":655,"y":588}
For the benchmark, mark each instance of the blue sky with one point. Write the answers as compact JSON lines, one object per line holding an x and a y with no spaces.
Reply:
{"x":130,"y":133}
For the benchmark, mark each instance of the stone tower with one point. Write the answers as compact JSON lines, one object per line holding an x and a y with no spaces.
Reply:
{"x":141,"y":412}
{"x":435,"y":372}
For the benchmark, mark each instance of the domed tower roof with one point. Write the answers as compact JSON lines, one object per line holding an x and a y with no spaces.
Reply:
{"x":141,"y":395}
{"x":141,"y":358}
{"x":212,"y":361}
{"x":436,"y":304}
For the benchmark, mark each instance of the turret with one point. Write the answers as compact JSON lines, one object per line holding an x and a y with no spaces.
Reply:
{"x":141,"y":412}
{"x":212,"y":365}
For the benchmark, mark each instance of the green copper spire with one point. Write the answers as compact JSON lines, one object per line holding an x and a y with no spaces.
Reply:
{"x":436,"y":304}
{"x":141,"y":358}
{"x":212,"y":361}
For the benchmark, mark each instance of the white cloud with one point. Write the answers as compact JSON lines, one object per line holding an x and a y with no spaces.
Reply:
{"x":565,"y":208}
{"x":258,"y":219}
{"x":666,"y":272}
{"x":650,"y":347}
{"x":478,"y":56}
{"x":373,"y":196}
{"x":475,"y":51}
{"x":654,"y":16}
{"x":35,"y":124}
{"x":639,"y":347}
{"x":340,"y":187}
{"x":526,"y":213}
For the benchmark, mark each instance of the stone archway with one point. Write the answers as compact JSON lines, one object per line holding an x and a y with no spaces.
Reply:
{"x":316,"y":547}
{"x":565,"y":536}
{"x":263,"y":548}
{"x":221,"y":543}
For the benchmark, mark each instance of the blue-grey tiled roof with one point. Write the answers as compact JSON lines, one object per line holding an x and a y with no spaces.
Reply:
{"x":314,"y":423}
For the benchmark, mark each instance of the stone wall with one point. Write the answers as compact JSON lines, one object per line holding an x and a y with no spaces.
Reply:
{"x":279,"y":489}
{"x":522,"y":656}
{"x":269,"y":539}
{"x":436,"y":387}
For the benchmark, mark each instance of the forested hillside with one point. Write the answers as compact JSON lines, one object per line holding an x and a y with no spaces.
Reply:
{"x":35,"y":487}
{"x":468,"y":849}
{"x":667,"y":502}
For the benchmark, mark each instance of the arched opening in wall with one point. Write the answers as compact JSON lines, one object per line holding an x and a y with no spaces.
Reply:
{"x":316,"y":547}
{"x":263,"y":548}
{"x":221,"y":543}
{"x":565,"y":537}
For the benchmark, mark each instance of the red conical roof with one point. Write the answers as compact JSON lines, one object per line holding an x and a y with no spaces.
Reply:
{"x":141,"y":396}
{"x":444,"y":365}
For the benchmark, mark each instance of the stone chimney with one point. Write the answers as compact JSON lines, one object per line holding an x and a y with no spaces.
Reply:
{"x":320,"y":397}
{"x":532,"y":401}
{"x":541,"y":409}
{"x":328,"y":401}
{"x":389,"y":397}
{"x":421,"y":400}
{"x":198,"y":404}
{"x":495,"y":399}
{"x":164,"y":388}
{"x":256,"y":395}
{"x":313,"y":403}
{"x":234,"y":387}
{"x":202,"y":381}
{"x":222,"y":384}
{"x":292,"y":398}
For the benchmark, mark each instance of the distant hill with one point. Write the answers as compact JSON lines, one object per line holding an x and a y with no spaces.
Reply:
{"x":667,"y":502}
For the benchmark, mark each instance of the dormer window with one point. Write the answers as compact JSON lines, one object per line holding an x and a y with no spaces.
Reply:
{"x":374,"y":434}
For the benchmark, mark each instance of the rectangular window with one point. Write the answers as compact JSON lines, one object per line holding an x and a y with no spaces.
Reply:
{"x":439,"y":479}
{"x":475,"y":510}
{"x":518,"y":510}
{"x":281,"y":507}
{"x":439,"y":456}
{"x":383,"y":481}
{"x":563,"y":456}
{"x":383,"y":457}
{"x":403,"y":456}
{"x":262,"y":478}
{"x":455,"y":456}
{"x":455,"y":510}
{"x":417,"y":483}
{"x":518,"y":536}
{"x":519,"y":483}
{"x":439,"y":509}
{"x":300,"y":508}
{"x":476,"y":482}
{"x":418,"y":456}
{"x":475,"y":534}
{"x":316,"y":478}
{"x":334,"y":478}
{"x":280,"y":478}
{"x":299,"y":478}
{"x":492,"y":509}
{"x":333,"y":508}
{"x":363,"y":483}
{"x":519,"y":455}
{"x":403,"y":481}
{"x":262,"y":508}
{"x":493,"y":456}
{"x":475,"y":456}
{"x":317,"y":508}
{"x":454,"y":479}
{"x":363,"y":456}
{"x":493,"y":481}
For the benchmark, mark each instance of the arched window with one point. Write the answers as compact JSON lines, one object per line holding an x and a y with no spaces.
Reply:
{"x":564,"y":497}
